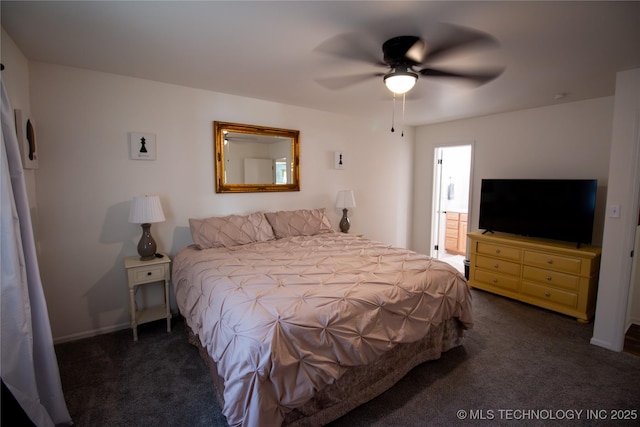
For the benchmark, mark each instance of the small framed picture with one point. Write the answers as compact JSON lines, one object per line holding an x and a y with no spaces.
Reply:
{"x":142,"y":146}
{"x":338,"y":160}
{"x":26,"y":134}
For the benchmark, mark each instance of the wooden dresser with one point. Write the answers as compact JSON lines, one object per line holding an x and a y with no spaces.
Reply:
{"x":456,"y":233}
{"x":555,"y":275}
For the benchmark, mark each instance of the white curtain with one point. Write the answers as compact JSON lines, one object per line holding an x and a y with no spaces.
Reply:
{"x":28,"y":366}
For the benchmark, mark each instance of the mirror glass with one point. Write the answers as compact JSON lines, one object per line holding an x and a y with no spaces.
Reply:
{"x":252,"y":158}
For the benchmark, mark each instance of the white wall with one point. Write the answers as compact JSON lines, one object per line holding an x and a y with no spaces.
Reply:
{"x":569,"y":140}
{"x":619,"y":233}
{"x":86,"y":180}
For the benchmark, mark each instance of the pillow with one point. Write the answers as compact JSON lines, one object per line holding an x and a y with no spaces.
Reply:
{"x":301,"y":222}
{"x":232,"y":230}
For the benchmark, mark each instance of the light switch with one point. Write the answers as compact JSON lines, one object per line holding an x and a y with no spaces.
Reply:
{"x":614,"y":211}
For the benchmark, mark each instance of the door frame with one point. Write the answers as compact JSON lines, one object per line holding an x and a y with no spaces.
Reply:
{"x":436,"y":203}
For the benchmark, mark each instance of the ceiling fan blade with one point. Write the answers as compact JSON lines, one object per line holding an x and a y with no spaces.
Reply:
{"x":417,"y":52}
{"x":454,"y":38}
{"x":341,"y":82}
{"x":352,"y":46}
{"x":479,"y":78}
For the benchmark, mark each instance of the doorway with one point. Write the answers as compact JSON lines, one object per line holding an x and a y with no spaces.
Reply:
{"x":451,"y":184}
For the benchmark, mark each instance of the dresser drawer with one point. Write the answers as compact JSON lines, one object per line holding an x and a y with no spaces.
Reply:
{"x":550,"y":277}
{"x":505,"y":252}
{"x":554,"y":262}
{"x":556,"y":296}
{"x":495,"y":279}
{"x":498,"y":265}
{"x":149,"y":274}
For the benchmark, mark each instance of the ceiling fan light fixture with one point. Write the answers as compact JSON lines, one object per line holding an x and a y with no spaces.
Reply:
{"x":400,"y":81}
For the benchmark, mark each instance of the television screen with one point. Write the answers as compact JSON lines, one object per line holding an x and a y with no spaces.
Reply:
{"x":560,"y":209}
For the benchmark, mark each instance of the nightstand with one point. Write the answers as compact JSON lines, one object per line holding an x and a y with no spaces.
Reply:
{"x":142,"y":273}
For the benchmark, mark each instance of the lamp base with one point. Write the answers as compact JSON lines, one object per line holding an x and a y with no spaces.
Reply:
{"x":345,"y":224}
{"x":146,"y":245}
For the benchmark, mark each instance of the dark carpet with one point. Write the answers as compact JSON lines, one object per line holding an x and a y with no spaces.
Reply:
{"x":519,"y":365}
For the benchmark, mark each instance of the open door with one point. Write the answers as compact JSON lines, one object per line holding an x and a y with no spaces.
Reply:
{"x":451,"y":193}
{"x":437,"y":220}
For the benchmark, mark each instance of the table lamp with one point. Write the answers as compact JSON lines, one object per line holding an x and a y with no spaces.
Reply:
{"x":146,"y":210}
{"x":344,"y":201}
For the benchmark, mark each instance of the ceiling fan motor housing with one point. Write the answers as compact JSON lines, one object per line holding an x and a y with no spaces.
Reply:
{"x":395,"y":50}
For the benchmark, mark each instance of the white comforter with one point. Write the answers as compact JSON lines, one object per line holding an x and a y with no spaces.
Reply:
{"x":284,"y":318}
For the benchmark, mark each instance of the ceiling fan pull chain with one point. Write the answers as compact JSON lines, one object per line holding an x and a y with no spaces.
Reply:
{"x":404,"y":95}
{"x":393,"y":113}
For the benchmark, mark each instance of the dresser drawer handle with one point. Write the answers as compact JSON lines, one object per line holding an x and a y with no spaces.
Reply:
{"x":550,"y":262}
{"x":497,"y":251}
{"x":496,"y":266}
{"x":547,"y":294}
{"x":149,"y":273}
{"x":495,"y":280}
{"x":548,"y":278}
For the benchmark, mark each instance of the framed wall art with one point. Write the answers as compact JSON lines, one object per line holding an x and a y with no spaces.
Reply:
{"x":142,"y":146}
{"x":26,"y":134}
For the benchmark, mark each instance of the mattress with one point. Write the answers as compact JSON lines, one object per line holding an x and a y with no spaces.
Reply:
{"x":284,"y":319}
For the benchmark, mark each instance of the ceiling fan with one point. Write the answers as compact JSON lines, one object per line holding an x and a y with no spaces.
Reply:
{"x":407,"y":57}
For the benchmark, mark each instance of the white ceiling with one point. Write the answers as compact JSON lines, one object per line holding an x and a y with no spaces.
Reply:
{"x":270,"y":50}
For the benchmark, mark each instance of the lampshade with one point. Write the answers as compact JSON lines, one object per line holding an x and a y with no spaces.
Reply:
{"x":400,"y":80}
{"x":146,"y":210}
{"x":345,"y":200}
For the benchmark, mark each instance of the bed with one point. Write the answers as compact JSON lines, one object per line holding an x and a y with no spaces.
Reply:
{"x":300,"y":324}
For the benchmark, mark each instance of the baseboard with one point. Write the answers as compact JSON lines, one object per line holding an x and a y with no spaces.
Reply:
{"x":91,"y":333}
{"x":630,"y":323}
{"x":605,"y":344}
{"x":632,"y":340}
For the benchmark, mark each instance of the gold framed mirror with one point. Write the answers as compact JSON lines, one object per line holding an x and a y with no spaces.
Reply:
{"x":252,"y":159}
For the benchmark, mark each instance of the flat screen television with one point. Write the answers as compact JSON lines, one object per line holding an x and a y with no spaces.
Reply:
{"x":559,"y":209}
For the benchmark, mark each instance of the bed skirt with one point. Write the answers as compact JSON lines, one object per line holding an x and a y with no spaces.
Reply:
{"x":361,"y":383}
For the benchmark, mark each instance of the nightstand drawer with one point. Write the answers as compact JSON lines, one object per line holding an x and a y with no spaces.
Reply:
{"x":498,"y":265}
{"x":554,"y":262}
{"x":151,"y":273}
{"x":505,"y":252}
{"x":556,"y":296}
{"x":549,"y":277}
